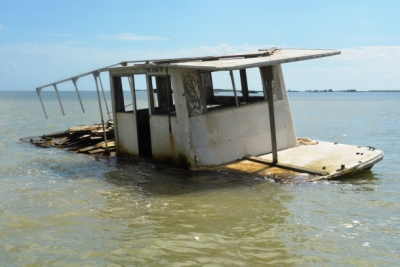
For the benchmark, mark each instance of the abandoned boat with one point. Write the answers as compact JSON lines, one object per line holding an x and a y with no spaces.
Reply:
{"x":189,"y":123}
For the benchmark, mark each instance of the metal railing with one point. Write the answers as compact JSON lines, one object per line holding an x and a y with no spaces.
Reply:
{"x":74,"y":80}
{"x":95,"y":73}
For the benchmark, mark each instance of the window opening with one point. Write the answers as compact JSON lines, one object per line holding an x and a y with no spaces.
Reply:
{"x":141,"y":91}
{"x":127,"y":94}
{"x":162,"y":92}
{"x":123,"y":94}
{"x":254,"y":85}
{"x":142,"y":115}
{"x":219,"y":88}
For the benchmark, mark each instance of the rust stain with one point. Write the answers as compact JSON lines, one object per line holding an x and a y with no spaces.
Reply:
{"x":171,"y":142}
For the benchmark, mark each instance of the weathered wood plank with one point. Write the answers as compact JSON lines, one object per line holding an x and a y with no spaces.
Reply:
{"x":103,"y":144}
{"x":100,"y":150}
{"x":87,"y":149}
{"x":84,"y":128}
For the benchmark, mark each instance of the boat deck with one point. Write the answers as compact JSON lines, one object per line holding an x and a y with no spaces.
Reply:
{"x":322,"y":160}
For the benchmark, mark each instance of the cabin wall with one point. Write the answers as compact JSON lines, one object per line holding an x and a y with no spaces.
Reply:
{"x":229,"y":134}
{"x":184,"y":149}
{"x":125,"y":123}
{"x":167,"y":147}
{"x":126,"y":143}
{"x":288,"y":111}
{"x":175,"y":146}
{"x":200,"y":138}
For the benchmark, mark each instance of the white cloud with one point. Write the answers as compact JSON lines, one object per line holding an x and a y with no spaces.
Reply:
{"x":383,"y":54}
{"x":361,"y":68}
{"x":129,"y":37}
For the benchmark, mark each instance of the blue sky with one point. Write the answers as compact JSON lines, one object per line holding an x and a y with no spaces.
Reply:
{"x":45,"y":41}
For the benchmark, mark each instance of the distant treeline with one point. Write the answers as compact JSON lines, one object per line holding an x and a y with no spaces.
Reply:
{"x":346,"y":91}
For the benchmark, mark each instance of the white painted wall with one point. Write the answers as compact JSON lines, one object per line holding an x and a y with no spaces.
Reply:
{"x":125,"y":127}
{"x":226,"y":135}
{"x":167,"y":146}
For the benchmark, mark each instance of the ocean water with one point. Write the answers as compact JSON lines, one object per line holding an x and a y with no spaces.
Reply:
{"x":63,"y":209}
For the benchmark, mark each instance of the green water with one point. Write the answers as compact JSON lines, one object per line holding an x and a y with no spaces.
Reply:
{"x":60,"y":209}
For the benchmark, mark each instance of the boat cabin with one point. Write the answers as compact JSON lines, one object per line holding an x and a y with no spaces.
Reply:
{"x":190,"y":121}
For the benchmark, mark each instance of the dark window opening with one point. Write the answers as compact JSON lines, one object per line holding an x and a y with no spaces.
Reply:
{"x":160,"y":88}
{"x":250,"y":84}
{"x":129,"y":88}
{"x":142,"y":115}
{"x":236,"y":88}
{"x":123,"y":94}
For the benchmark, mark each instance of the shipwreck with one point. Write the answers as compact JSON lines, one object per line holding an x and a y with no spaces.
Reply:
{"x":189,"y":123}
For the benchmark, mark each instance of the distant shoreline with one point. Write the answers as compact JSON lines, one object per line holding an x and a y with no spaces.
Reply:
{"x":351,"y":91}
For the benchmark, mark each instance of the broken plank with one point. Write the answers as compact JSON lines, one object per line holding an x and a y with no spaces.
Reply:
{"x":100,"y":150}
{"x":56,"y":134}
{"x":87,"y":149}
{"x":85,"y":128}
{"x":59,"y":141}
{"x":85,"y":137}
{"x":103,"y":144}
{"x":109,"y":144}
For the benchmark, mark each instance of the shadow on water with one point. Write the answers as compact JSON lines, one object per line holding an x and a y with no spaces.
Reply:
{"x":166,"y":180}
{"x":171,"y":216}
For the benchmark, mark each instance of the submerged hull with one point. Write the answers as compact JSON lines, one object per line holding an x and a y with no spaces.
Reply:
{"x":308,"y":161}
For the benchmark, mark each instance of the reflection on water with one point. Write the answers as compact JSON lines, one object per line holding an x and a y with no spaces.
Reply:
{"x":178,"y":218}
{"x":63,"y":209}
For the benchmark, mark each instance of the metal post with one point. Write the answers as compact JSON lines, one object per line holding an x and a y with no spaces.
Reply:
{"x":77,"y":91}
{"x":131,"y":80}
{"x":44,"y":110}
{"x":106,"y":152}
{"x":104,"y":96}
{"x":263,"y":84}
{"x":150,"y":94}
{"x":267,"y":78}
{"x":245,"y":87}
{"x":59,"y":99}
{"x":234,"y":87}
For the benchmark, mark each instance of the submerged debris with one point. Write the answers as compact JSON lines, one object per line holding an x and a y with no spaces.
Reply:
{"x":88,"y":139}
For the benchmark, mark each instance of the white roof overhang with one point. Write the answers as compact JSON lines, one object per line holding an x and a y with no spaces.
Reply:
{"x":279,"y":56}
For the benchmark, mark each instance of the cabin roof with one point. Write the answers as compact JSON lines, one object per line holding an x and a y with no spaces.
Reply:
{"x":248,"y":60}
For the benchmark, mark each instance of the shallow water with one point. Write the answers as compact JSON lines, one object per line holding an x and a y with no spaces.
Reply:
{"x":62,"y":209}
